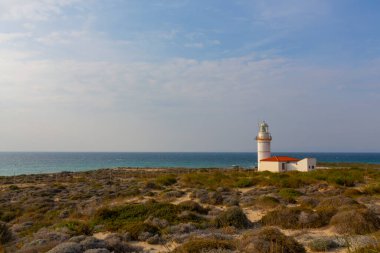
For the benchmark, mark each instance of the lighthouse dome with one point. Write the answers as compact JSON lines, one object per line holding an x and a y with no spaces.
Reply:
{"x":264,"y":127}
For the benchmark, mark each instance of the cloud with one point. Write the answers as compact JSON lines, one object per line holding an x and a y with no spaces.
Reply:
{"x":8,"y":37}
{"x":37,"y":10}
{"x":194,"y":45}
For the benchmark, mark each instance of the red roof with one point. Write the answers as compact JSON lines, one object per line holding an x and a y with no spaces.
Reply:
{"x":280,"y":159}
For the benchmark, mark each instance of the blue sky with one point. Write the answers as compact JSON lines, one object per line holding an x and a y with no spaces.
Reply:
{"x":181,"y":75}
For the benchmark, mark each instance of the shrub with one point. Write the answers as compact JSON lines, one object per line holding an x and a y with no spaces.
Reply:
{"x":355,"y":221}
{"x":267,"y":202}
{"x":270,"y":240}
{"x":5,"y":233}
{"x":337,"y":201}
{"x":77,"y":228}
{"x":244,"y":182}
{"x":135,"y":229}
{"x":325,"y":214}
{"x":322,"y":244}
{"x":296,"y":217}
{"x":307,"y":202}
{"x":166,"y":180}
{"x":289,"y":194}
{"x":233,"y":216}
{"x":372,"y":189}
{"x":368,"y":249}
{"x":350,"y":192}
{"x":283,"y":217}
{"x":203,"y":245}
{"x":190,"y":205}
{"x":119,"y":217}
{"x":14,"y":187}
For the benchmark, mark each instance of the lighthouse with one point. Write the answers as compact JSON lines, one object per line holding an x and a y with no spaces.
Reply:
{"x":263,"y":139}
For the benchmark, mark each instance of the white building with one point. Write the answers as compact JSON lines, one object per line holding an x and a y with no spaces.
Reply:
{"x":278,"y":163}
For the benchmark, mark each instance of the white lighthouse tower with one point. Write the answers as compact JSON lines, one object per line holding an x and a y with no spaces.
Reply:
{"x":263,"y":139}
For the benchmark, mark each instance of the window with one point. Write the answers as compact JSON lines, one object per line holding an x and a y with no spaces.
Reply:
{"x":312,"y":167}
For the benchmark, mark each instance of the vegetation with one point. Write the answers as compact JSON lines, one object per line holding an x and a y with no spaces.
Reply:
{"x":5,"y":233}
{"x":166,"y":180}
{"x":160,"y":206}
{"x":356,"y":221}
{"x":203,"y":245}
{"x":233,"y":216}
{"x":289,"y":194}
{"x":322,"y":244}
{"x":270,"y":240}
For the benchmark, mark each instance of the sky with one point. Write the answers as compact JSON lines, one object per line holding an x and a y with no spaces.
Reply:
{"x":189,"y":75}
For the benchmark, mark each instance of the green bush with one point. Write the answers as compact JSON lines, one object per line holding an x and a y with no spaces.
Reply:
{"x":120,"y":217}
{"x":244,"y":182}
{"x":210,"y":179}
{"x":14,"y":187}
{"x":289,"y":194}
{"x":166,"y":180}
{"x":77,"y":228}
{"x":203,"y":245}
{"x":136,"y":228}
{"x":190,"y":205}
{"x":233,"y":216}
{"x":124,"y":217}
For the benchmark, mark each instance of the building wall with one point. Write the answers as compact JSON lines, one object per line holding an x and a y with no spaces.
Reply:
{"x":306,"y":164}
{"x":263,"y":150}
{"x":270,"y":166}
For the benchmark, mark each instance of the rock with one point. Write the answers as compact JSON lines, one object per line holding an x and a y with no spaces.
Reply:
{"x":16,"y":228}
{"x":174,"y":194}
{"x":144,"y":236}
{"x":67,"y":247}
{"x":97,"y":251}
{"x":182,"y":228}
{"x":92,"y":243}
{"x":156,"y":239}
{"x":78,"y":238}
{"x":231,"y":201}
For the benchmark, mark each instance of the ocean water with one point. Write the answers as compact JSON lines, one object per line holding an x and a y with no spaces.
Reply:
{"x":16,"y":163}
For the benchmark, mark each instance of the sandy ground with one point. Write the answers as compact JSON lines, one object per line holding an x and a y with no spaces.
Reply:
{"x":253,"y":215}
{"x":155,"y":248}
{"x":146,"y":246}
{"x":185,"y":197}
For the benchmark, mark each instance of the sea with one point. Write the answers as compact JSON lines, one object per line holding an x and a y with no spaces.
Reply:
{"x":17,"y":163}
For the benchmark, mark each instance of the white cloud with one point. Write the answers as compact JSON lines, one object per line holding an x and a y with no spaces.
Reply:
{"x":32,"y":9}
{"x":123,"y":105}
{"x":64,"y":37}
{"x":7,"y":37}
